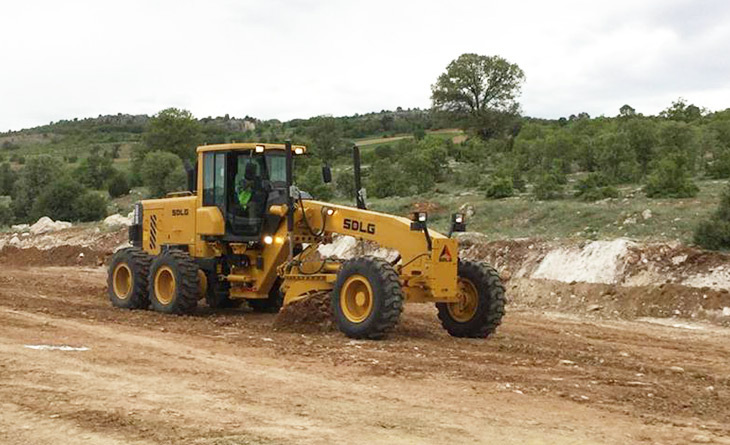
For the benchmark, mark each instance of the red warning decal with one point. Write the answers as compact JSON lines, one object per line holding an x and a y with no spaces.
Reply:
{"x":445,"y":256}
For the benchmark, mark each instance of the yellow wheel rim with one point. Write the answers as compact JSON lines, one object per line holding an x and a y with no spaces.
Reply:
{"x":465,"y":309}
{"x":165,"y":285}
{"x":356,"y":298}
{"x":122,"y":281}
{"x":202,"y":284}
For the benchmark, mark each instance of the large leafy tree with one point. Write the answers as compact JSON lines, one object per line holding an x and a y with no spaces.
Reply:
{"x":479,"y":92}
{"x":173,"y":130}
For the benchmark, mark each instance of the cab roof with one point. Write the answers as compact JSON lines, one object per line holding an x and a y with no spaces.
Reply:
{"x":243,"y":146}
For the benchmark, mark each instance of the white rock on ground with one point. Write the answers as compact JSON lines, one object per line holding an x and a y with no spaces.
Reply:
{"x":117,"y":220}
{"x":346,"y":247}
{"x":597,"y":262}
{"x":20,"y":227}
{"x":46,"y":224}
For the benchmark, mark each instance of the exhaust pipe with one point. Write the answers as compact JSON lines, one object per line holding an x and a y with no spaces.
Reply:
{"x":359,"y":190}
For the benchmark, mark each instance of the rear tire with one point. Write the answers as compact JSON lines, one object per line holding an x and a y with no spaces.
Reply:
{"x":367,"y":299}
{"x":482,"y":306}
{"x":173,"y":283}
{"x":127,"y":281}
{"x":272,"y":304}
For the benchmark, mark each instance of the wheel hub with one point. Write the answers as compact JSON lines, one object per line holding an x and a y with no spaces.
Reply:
{"x":165,"y":285}
{"x":356,"y":299}
{"x":122,"y":281}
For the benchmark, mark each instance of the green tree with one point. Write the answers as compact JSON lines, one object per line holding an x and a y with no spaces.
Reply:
{"x":714,"y":233}
{"x":32,"y":180}
{"x":479,"y":91}
{"x":117,"y":185}
{"x":66,"y":199}
{"x":172,"y":130}
{"x":95,"y":170}
{"x":326,"y":136}
{"x":162,"y":173}
{"x":7,"y":179}
{"x":670,"y":179}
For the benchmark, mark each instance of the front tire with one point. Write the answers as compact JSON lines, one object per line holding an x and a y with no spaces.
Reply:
{"x":173,"y":287}
{"x":367,"y":299}
{"x":127,"y":281}
{"x":481,"y":307}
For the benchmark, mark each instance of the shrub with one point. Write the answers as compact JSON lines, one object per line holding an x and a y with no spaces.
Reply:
{"x":162,"y":172}
{"x":311,"y":181}
{"x":714,"y":233}
{"x":7,"y":179}
{"x":6,"y":215}
{"x":345,"y":184}
{"x":670,"y":179}
{"x":32,"y":181}
{"x":500,"y":187}
{"x":117,"y":185}
{"x":547,"y":187}
{"x":95,"y":170}
{"x":386,"y":179}
{"x":90,"y":206}
{"x":66,"y":199}
{"x":595,"y":187}
{"x":384,"y":151}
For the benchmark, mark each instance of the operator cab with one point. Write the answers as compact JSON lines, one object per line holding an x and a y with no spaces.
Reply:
{"x":243,"y":181}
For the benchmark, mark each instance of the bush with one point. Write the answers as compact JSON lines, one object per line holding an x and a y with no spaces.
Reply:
{"x":32,"y":181}
{"x":6,"y":215}
{"x":500,"y":187}
{"x":117,"y":185}
{"x":595,"y":187}
{"x":311,"y":181}
{"x":162,"y":172}
{"x":714,"y":234}
{"x":66,"y":199}
{"x":95,"y":170}
{"x":7,"y":179}
{"x":547,"y":187}
{"x":90,"y":206}
{"x":670,"y":179}
{"x":386,"y":179}
{"x":345,"y":184}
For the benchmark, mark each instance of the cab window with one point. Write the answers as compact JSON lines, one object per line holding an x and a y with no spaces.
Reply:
{"x":214,"y":176}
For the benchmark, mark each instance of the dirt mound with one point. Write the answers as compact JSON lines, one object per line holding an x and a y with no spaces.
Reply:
{"x":312,"y":314}
{"x":55,"y":256}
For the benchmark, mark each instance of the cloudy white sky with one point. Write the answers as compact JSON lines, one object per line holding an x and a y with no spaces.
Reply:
{"x":288,"y":59}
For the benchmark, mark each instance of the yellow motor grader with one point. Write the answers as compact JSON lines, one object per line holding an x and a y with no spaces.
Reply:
{"x":244,"y":232}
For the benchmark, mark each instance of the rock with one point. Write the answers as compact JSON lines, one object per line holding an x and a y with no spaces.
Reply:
{"x":567,"y":362}
{"x":646,"y":214}
{"x":679,"y":259}
{"x":46,"y":224}
{"x":467,"y":210}
{"x":725,"y":310}
{"x":20,"y":227}
{"x":594,"y":307}
{"x":676,"y":369}
{"x":117,"y":220}
{"x":14,"y":241}
{"x":629,"y":221}
{"x":699,"y":438}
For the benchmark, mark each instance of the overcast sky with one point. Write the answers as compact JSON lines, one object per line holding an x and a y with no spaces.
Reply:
{"x":296,"y":59}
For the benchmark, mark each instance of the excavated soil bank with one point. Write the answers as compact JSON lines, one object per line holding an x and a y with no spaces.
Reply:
{"x":55,"y":256}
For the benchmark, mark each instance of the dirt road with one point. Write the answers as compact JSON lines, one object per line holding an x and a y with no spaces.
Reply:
{"x":227,"y":378}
